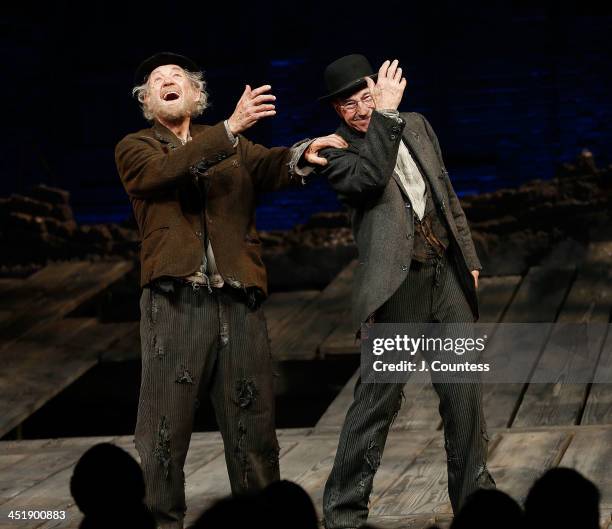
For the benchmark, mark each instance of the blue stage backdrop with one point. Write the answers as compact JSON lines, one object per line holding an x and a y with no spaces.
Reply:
{"x":512,"y":89}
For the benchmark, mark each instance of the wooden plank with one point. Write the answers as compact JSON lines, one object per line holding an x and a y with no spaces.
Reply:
{"x":598,"y":409}
{"x":342,"y":340}
{"x":537,"y":300}
{"x":590,"y":453}
{"x":8,"y":460}
{"x":281,"y":307}
{"x":36,"y":287}
{"x":519,"y":458}
{"x":127,"y":347}
{"x":22,"y":294}
{"x":310,"y":463}
{"x":539,"y":296}
{"x":39,"y":366}
{"x":50,"y":491}
{"x":420,"y":408}
{"x":36,"y":304}
{"x":35,"y":468}
{"x":401,"y":451}
{"x":307,"y":454}
{"x":422,"y":488}
{"x":561,"y":402}
{"x":31,"y":446}
{"x":27,"y":365}
{"x":333,"y":418}
{"x":589,"y":301}
{"x":418,"y":521}
{"x":206,"y":437}
{"x":494,"y":296}
{"x":293,"y":433}
{"x":302,"y":337}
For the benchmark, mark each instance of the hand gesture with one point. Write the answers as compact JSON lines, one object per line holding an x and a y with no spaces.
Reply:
{"x":252,"y":106}
{"x":312,"y":152}
{"x":388,"y":90}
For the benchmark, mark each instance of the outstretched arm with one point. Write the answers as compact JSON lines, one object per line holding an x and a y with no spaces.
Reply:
{"x":274,"y":168}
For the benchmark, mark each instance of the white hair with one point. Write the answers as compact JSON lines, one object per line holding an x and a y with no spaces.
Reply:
{"x":198,"y":82}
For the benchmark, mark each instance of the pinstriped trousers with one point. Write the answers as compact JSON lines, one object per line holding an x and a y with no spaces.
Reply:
{"x":430,"y":293}
{"x":192,"y":338}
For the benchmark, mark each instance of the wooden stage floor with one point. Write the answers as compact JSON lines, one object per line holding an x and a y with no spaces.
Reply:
{"x":533,"y":427}
{"x":409,"y":489}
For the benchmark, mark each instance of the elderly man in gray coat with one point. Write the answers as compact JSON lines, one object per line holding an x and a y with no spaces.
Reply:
{"x":417,"y":263}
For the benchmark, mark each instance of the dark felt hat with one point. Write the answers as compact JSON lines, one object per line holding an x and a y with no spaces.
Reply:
{"x":161,"y":59}
{"x":346,"y":75}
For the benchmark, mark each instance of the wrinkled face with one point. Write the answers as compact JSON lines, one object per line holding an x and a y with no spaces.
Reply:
{"x":356,"y":110}
{"x":171,"y":96}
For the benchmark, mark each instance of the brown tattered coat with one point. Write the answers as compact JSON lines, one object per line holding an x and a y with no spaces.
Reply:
{"x":178,"y":192}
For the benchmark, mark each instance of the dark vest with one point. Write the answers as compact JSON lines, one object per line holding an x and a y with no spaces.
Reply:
{"x":430,"y":234}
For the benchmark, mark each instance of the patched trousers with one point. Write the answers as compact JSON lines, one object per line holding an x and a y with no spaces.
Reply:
{"x":191,"y":339}
{"x":431,"y":293}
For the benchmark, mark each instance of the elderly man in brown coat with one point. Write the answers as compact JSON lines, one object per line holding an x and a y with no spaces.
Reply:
{"x":193,"y":189}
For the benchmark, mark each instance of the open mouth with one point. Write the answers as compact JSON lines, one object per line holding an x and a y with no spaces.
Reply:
{"x":170,"y":96}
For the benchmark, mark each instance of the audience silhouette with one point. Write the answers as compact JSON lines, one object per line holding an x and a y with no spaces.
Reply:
{"x":562,"y":498}
{"x":487,"y":508}
{"x":234,"y":511}
{"x":286,"y":503}
{"x":281,"y":504}
{"x":108,"y":487}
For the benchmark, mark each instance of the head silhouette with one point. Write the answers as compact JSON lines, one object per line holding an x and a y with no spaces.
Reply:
{"x":234,"y":511}
{"x":488,"y":508}
{"x":289,"y":505}
{"x":563,"y":498}
{"x":107,"y":480}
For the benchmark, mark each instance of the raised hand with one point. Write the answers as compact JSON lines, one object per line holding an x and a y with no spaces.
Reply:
{"x":388,"y":90}
{"x":252,"y":106}
{"x":312,"y":152}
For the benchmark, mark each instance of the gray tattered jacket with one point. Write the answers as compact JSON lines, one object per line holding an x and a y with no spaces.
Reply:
{"x":363,"y":176}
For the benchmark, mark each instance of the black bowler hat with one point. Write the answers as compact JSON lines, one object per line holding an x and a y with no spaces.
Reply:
{"x":346,"y":75}
{"x":161,"y":59}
